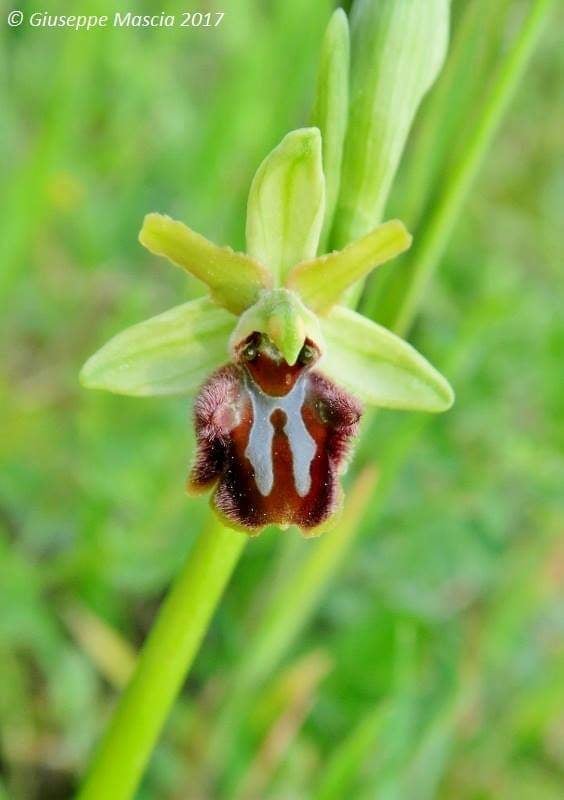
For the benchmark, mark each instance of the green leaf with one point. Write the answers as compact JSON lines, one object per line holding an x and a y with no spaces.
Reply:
{"x":346,"y":761}
{"x":286,"y":203}
{"x":234,"y":279}
{"x":379,"y":367}
{"x":398,"y":47}
{"x":331,"y":110}
{"x":285,"y":320}
{"x":402,"y":297}
{"x":322,"y":282}
{"x":172,"y":353}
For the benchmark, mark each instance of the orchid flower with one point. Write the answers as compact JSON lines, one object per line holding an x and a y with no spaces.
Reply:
{"x":279,"y":368}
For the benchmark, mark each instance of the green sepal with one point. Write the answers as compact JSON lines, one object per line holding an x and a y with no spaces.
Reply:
{"x":172,"y":353}
{"x":286,"y":203}
{"x":282,"y":316}
{"x":379,"y":367}
{"x":322,"y":282}
{"x":234,"y":279}
{"x":331,"y":110}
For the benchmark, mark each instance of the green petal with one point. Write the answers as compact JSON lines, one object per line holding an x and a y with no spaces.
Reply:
{"x":286,"y":203}
{"x":172,"y":353}
{"x":398,"y":47}
{"x":322,"y":282}
{"x":331,"y":110}
{"x":285,"y":320}
{"x":379,"y":367}
{"x":235,"y":280}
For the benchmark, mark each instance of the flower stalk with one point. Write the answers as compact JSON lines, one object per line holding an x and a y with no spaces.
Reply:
{"x":166,"y":657}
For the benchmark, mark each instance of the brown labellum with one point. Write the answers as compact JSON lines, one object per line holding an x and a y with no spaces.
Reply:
{"x":273,"y":438}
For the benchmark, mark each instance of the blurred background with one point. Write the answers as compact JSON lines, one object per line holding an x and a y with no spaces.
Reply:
{"x":432,"y":664}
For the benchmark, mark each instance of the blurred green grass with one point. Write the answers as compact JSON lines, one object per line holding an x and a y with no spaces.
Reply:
{"x":444,"y":629}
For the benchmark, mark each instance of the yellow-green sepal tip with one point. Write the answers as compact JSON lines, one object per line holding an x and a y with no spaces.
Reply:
{"x":323,"y":281}
{"x":234,"y":279}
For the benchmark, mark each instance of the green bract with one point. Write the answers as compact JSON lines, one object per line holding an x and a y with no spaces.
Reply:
{"x":174,"y":352}
{"x":331,"y":111}
{"x":398,"y":47}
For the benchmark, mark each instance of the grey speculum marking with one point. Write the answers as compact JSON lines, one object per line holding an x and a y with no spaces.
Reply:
{"x":301,"y":443}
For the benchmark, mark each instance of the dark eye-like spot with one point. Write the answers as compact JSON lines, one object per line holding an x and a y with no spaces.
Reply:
{"x":252,"y":349}
{"x":307,"y":354}
{"x":250,"y":352}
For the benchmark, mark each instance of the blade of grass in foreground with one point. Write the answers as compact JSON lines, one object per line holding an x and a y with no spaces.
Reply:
{"x":391,"y":725}
{"x":428,"y":758}
{"x":299,"y":685}
{"x":173,"y":644}
{"x":348,"y":757}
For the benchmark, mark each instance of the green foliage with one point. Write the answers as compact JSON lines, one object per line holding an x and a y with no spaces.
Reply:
{"x":443,"y":623}
{"x":331,"y":111}
{"x":398,"y":48}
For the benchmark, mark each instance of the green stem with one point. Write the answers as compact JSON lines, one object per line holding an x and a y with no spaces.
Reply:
{"x":165,"y":659}
{"x":437,"y":232}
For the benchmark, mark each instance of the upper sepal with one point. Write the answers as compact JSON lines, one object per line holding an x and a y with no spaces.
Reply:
{"x":379,"y":367}
{"x":286,"y":203}
{"x":234,"y":279}
{"x":171,"y":353}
